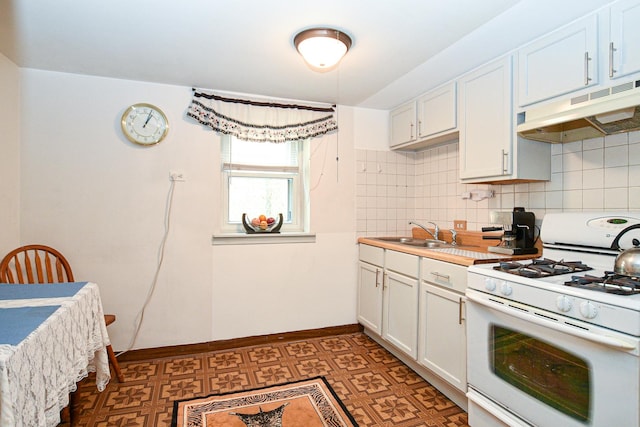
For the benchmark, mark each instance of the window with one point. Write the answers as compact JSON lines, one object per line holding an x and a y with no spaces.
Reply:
{"x":265,"y":178}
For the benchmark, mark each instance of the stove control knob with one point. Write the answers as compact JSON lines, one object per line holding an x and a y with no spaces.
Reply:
{"x":588,"y":310}
{"x":489,"y":284}
{"x":506,"y":289}
{"x":563,"y":303}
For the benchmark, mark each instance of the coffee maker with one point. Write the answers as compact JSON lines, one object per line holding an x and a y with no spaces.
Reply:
{"x":519,"y":232}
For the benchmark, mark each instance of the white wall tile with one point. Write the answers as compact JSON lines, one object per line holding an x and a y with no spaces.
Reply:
{"x":616,"y":177}
{"x":634,"y":154}
{"x":572,"y":147}
{"x":593,"y":178}
{"x":594,"y":174}
{"x":556,"y":163}
{"x":593,"y":199}
{"x":617,"y":155}
{"x":634,"y":197}
{"x":616,"y":139}
{"x":593,"y":159}
{"x":537,"y":200}
{"x":553,"y":200}
{"x":593,"y":143}
{"x":572,"y":162}
{"x":572,"y":180}
{"x":572,"y":199}
{"x":634,"y":176}
{"x":616,"y":198}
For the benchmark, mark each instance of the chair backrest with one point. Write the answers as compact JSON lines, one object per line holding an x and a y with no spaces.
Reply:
{"x":35,"y":264}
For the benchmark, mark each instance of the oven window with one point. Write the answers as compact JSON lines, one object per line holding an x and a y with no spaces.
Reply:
{"x":547,"y":373}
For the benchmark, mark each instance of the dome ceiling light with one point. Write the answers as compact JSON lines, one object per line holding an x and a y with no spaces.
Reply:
{"x":322,"y":48}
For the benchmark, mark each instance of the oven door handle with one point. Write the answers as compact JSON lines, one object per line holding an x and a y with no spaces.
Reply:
{"x":601,"y":339}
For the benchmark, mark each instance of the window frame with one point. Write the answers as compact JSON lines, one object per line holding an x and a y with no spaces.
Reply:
{"x":299,"y":191}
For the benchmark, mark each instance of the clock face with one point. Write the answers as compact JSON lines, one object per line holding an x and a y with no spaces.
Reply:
{"x":144,"y":124}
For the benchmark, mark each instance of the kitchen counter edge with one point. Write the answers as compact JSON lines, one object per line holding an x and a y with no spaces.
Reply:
{"x":446,"y":257}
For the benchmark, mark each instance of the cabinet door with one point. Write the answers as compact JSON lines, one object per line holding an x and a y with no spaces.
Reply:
{"x":486,"y":121}
{"x":400,"y":313}
{"x":437,"y":111}
{"x":624,"y":47}
{"x":370,"y":296}
{"x":403,"y":124}
{"x":563,"y":62}
{"x":443,"y":347}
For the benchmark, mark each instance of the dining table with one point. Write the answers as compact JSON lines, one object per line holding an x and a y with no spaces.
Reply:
{"x":51,"y":337}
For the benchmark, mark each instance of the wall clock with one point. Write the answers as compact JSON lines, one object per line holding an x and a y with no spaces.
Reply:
{"x":144,"y":124}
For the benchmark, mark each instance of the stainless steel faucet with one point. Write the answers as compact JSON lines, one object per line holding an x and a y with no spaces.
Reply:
{"x":454,"y":235}
{"x":434,"y":234}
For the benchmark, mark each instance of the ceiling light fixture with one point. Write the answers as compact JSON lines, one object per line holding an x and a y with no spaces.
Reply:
{"x":322,"y":48}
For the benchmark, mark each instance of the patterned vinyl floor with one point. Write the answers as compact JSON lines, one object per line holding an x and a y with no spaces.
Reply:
{"x":377,"y":388}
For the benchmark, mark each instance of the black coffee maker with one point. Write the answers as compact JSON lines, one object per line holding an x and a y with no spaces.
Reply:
{"x":524,"y":224}
{"x":519,"y":233}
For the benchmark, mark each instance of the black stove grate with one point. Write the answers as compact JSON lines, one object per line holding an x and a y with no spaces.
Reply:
{"x":542,"y":267}
{"x":610,"y":283}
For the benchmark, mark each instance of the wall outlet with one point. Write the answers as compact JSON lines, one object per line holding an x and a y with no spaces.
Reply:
{"x":459,"y":224}
{"x":177,"y":176}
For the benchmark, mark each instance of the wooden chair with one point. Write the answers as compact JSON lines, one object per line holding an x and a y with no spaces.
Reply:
{"x":42,"y":264}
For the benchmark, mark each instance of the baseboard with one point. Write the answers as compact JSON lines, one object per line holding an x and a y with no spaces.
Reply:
{"x":181,"y":350}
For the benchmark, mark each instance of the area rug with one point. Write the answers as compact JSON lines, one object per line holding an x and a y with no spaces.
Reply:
{"x":306,"y":403}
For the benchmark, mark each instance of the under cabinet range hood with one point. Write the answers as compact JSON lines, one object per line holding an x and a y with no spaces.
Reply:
{"x":603,"y":112}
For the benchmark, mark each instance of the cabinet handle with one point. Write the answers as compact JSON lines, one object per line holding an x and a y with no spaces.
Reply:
{"x":419,"y":127}
{"x":377,"y":274}
{"x":384,"y":280}
{"x":505,"y":162}
{"x":411,"y":132}
{"x":460,"y":311}
{"x":587,"y":79}
{"x":612,"y":49}
{"x":437,"y":275}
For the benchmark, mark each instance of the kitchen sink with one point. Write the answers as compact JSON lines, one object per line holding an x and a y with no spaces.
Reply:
{"x":468,"y":251}
{"x":421,"y":243}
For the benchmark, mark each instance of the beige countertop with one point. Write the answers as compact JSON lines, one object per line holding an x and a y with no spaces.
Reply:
{"x":471,"y":248}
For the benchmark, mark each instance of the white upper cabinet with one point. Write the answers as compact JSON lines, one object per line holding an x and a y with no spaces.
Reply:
{"x":403,"y":124}
{"x":430,"y":119}
{"x":586,"y":53}
{"x":486,"y":121}
{"x":624,"y":41}
{"x":437,"y":111}
{"x":490,"y":151}
{"x":562,"y":62}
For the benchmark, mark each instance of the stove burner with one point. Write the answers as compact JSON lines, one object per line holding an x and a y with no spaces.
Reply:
{"x":542,"y":267}
{"x":610,"y":283}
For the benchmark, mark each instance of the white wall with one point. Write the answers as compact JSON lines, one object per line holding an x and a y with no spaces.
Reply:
{"x":102,"y":201}
{"x":10,"y":155}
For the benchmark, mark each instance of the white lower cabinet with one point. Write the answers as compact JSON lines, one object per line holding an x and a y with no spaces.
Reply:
{"x":400,"y":311}
{"x":414,"y":307}
{"x":370,"y":275}
{"x":388,"y":296}
{"x":442,"y":331}
{"x":400,"y":301}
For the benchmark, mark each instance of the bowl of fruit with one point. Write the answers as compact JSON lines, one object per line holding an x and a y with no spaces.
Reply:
{"x":262,"y":224}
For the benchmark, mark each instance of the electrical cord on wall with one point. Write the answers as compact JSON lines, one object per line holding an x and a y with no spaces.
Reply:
{"x":167,"y":226}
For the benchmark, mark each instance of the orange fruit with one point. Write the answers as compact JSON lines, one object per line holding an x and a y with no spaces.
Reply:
{"x":262,"y":218}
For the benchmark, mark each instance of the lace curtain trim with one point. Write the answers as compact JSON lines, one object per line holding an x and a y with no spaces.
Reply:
{"x":260,"y":121}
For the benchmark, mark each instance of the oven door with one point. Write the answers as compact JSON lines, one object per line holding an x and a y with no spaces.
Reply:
{"x":549,"y":370}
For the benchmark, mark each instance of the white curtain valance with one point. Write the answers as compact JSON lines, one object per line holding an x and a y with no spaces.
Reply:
{"x":261,"y":121}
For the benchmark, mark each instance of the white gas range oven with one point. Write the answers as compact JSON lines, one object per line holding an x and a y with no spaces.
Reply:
{"x":556,"y":341}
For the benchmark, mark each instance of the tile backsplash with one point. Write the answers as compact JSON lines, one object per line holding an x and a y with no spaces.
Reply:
{"x":394,"y":188}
